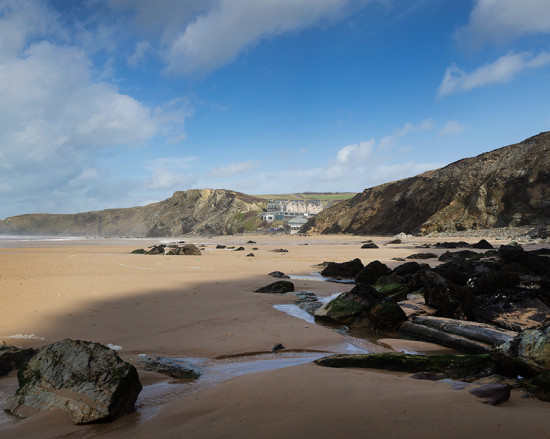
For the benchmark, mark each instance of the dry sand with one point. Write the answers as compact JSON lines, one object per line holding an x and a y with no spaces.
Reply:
{"x":204,"y":307}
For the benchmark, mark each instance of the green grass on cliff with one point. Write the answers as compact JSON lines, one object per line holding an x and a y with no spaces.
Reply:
{"x":322,"y":196}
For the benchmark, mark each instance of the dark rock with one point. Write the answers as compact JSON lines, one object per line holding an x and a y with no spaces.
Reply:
{"x":173,"y":367}
{"x":430,"y":376}
{"x":277,"y":347}
{"x":279,"y":274}
{"x":251,"y":242}
{"x":343,"y":269}
{"x":250,"y":255}
{"x":422,"y":256}
{"x":220,"y":246}
{"x":386,"y":315}
{"x":453,"y":244}
{"x":281,"y":286}
{"x":13,"y":357}
{"x":407,"y":268}
{"x":395,"y":291}
{"x":139,"y":251}
{"x":492,"y":394}
{"x":239,"y":249}
{"x":86,"y":379}
{"x":483,"y":244}
{"x":394,"y":241}
{"x":455,"y":366}
{"x":450,"y":300}
{"x":539,"y":385}
{"x":459,"y":257}
{"x":157,"y":250}
{"x":279,"y":250}
{"x":539,"y":265}
{"x":187,"y":250}
{"x":369,"y":245}
{"x":371,"y":272}
{"x":351,"y":308}
{"x":255,"y":248}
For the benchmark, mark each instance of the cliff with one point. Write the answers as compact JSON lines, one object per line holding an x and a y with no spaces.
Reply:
{"x":198,"y":211}
{"x":509,"y":186}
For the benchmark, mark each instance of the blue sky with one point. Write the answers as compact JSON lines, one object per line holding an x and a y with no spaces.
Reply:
{"x":117,"y":103}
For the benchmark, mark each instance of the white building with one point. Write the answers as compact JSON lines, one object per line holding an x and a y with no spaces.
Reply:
{"x":293,"y":225}
{"x":291,"y":208}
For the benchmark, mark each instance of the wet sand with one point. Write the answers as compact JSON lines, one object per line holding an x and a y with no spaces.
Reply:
{"x":204,"y":307}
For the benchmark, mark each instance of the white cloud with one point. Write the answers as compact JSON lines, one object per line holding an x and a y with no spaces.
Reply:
{"x":140,"y":53}
{"x":407,"y":128}
{"x":451,"y":127}
{"x":503,"y":70}
{"x":233,"y":169}
{"x":221,"y":34}
{"x":57,"y":117}
{"x":499,"y":21}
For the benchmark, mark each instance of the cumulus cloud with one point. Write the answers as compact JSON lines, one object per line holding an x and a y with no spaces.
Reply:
{"x":451,"y":127}
{"x":499,"y":21}
{"x":218,"y":36}
{"x":503,"y":70}
{"x":57,"y":116}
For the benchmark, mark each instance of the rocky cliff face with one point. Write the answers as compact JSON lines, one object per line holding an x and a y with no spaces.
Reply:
{"x":198,"y":211}
{"x":509,"y":186}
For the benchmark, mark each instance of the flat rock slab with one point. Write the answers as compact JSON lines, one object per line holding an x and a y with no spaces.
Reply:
{"x":174,"y":367}
{"x":492,"y":394}
{"x":452,"y":365}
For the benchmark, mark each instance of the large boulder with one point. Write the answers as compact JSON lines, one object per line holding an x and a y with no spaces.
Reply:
{"x":348,"y":269}
{"x":450,"y":300}
{"x":530,"y":348}
{"x":88,"y":380}
{"x":371,"y":272}
{"x":386,"y":314}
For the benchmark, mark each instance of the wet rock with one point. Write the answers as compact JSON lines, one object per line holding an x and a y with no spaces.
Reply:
{"x":239,"y":249}
{"x":139,"y":251}
{"x":86,"y":379}
{"x":395,"y":291}
{"x":173,"y":367}
{"x":492,"y":394}
{"x":13,"y":357}
{"x":157,"y":250}
{"x":371,"y":272}
{"x":452,"y":244}
{"x":458,"y":257}
{"x":278,"y":274}
{"x":455,"y":366}
{"x":351,"y":308}
{"x":450,"y":300}
{"x":422,"y":256}
{"x":187,"y":249}
{"x":281,"y":286}
{"x":277,"y":347}
{"x":407,"y":268}
{"x":483,"y":244}
{"x":386,"y":315}
{"x":347,"y":269}
{"x":220,"y":246}
{"x":538,"y":385}
{"x":530,"y":348}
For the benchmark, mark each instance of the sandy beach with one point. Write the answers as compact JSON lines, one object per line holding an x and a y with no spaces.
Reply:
{"x":204,"y":308}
